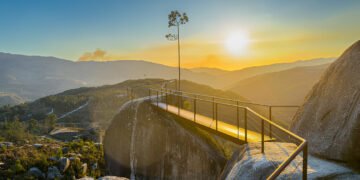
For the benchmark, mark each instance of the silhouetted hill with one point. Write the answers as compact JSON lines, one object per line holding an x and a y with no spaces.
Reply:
{"x":281,"y":88}
{"x":209,"y":71}
{"x":10,"y":99}
{"x":96,"y":106}
{"x":32,"y":77}
{"x":228,"y":80}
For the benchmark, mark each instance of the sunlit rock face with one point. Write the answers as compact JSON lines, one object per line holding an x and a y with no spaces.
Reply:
{"x":250,"y":163}
{"x":143,"y":143}
{"x":330,"y":117}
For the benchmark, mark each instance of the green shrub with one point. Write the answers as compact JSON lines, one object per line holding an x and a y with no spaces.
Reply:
{"x":17,"y":167}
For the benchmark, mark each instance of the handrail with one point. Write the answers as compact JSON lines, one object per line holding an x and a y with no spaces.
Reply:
{"x":233,"y":100}
{"x":302,"y":147}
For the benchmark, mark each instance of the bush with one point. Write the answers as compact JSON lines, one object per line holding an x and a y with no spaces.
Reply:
{"x":17,"y":167}
{"x":14,"y":131}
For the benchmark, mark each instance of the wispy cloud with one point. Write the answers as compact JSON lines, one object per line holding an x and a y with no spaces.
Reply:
{"x":97,"y":55}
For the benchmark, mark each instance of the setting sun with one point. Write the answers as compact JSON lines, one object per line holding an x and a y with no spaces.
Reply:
{"x":237,"y":43}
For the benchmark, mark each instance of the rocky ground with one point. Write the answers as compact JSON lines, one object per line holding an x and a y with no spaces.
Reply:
{"x":250,"y":163}
{"x":52,"y":160}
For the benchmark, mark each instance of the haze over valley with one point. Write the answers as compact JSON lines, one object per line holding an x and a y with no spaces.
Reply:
{"x":32,"y":77}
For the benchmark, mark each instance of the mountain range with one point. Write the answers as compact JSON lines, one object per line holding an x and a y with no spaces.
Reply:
{"x":32,"y":77}
{"x":283,"y":87}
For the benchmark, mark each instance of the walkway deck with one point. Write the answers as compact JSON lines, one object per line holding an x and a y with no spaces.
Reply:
{"x":223,"y":127}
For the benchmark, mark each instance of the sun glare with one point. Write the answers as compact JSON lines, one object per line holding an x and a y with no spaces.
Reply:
{"x":237,"y":43}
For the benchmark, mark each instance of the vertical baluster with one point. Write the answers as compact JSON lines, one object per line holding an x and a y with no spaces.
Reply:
{"x":157,"y":98}
{"x":180,"y":103}
{"x":245,"y":125}
{"x":237,"y":119}
{"x":262,"y":136}
{"x":305,"y":161}
{"x":195,"y":109}
{"x":270,"y":127}
{"x":166,"y":100}
{"x":216,"y":115}
{"x":131,"y":94}
{"x":213,"y":108}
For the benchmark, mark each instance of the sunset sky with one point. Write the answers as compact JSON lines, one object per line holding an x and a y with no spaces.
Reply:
{"x":275,"y":31}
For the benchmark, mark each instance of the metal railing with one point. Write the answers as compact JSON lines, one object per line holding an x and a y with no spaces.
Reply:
{"x":265,"y":108}
{"x":209,"y":105}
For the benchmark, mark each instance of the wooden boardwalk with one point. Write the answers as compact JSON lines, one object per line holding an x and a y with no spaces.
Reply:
{"x":222,"y":127}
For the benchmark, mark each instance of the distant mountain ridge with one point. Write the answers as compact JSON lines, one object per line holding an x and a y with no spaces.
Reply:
{"x":10,"y":99}
{"x":210,"y":71}
{"x":245,"y":73}
{"x":287,"y":87}
{"x":32,"y":77}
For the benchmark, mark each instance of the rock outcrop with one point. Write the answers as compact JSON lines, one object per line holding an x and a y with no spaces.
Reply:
{"x":250,"y":163}
{"x":330,"y":117}
{"x":53,"y":173}
{"x":64,"y":164}
{"x":36,"y":172}
{"x":143,"y":143}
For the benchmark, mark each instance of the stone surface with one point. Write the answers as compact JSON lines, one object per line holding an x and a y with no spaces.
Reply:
{"x":112,"y":178}
{"x":6,"y":144}
{"x":84,"y":169}
{"x":38,"y":145}
{"x":53,"y":173}
{"x":34,"y":171}
{"x":250,"y":163}
{"x":65,"y":150}
{"x":86,"y":178}
{"x":64,"y":164}
{"x":330,"y":117}
{"x":144,"y":143}
{"x":53,"y":158}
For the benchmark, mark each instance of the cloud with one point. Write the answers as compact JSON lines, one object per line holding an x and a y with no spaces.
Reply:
{"x":97,"y":55}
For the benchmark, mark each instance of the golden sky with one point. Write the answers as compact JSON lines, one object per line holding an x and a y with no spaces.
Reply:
{"x":277,"y":30}
{"x":259,"y":51}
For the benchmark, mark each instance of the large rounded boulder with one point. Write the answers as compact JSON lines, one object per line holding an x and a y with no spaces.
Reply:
{"x":330,"y":116}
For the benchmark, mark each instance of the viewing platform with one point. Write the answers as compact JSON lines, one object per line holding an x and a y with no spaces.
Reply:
{"x":221,"y":126}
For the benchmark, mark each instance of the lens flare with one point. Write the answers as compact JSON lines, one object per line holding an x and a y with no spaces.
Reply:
{"x":237,"y":43}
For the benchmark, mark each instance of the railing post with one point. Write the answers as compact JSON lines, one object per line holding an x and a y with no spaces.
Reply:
{"x":213,"y":108}
{"x":262,"y":136}
{"x":216,"y":115}
{"x":245,"y":125}
{"x":157,"y":98}
{"x":166,"y":100}
{"x":237,"y":118}
{"x":270,"y":128}
{"x":160,"y":97}
{"x":131,"y":94}
{"x":195,"y":109}
{"x":180,"y":103}
{"x":305,"y":161}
